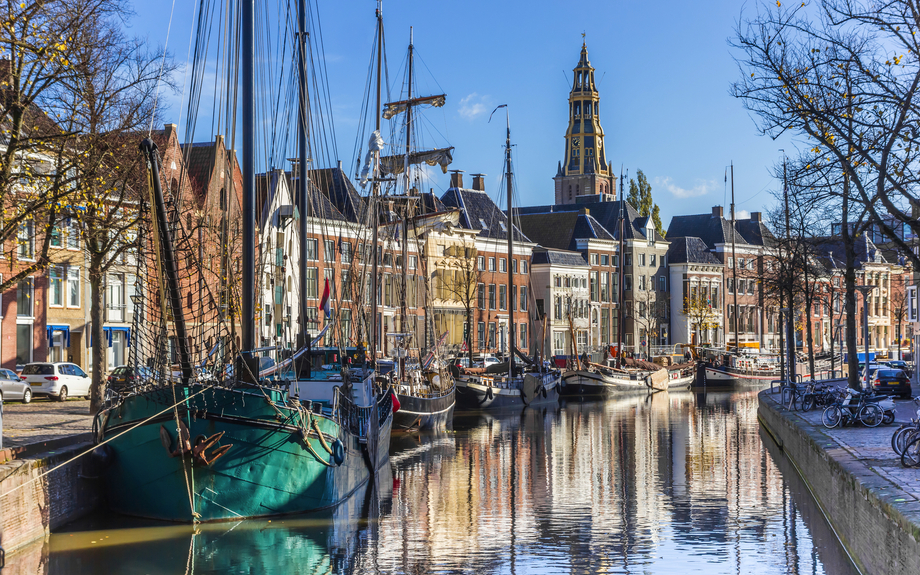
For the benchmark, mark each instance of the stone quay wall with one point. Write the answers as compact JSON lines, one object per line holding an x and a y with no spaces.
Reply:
{"x":877,"y":522}
{"x":31,"y":505}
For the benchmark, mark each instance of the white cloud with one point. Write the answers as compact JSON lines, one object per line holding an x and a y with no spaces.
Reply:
{"x":473,"y":106}
{"x":701,"y":188}
{"x":742,"y":214}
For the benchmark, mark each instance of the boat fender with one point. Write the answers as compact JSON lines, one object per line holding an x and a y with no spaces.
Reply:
{"x":338,"y":452}
{"x":544,"y":392}
{"x":489,"y":392}
{"x":396,"y":404}
{"x":101,"y":458}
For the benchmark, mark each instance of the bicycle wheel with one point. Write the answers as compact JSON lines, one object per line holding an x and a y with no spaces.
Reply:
{"x":888,"y":417}
{"x":902,"y":436}
{"x":870,"y":415}
{"x":831,"y":417}
{"x":808,"y":402}
{"x":911,"y":455}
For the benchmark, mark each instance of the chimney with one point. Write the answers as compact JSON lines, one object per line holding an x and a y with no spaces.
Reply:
{"x":584,"y":212}
{"x":340,"y":165}
{"x":756,"y":217}
{"x":479,"y":182}
{"x":717,"y":211}
{"x":170,"y":130}
{"x":456,"y":178}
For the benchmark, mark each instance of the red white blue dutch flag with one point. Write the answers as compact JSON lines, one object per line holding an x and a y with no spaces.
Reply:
{"x":324,"y":303}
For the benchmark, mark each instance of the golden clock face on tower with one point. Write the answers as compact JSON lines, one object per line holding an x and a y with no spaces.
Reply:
{"x":575,"y":142}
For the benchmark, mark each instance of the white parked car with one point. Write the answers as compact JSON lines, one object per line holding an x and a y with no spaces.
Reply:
{"x":487,"y":361}
{"x":58,"y":380}
{"x":13,"y":387}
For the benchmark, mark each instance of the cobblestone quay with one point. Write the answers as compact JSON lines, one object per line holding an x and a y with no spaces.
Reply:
{"x":871,"y":501}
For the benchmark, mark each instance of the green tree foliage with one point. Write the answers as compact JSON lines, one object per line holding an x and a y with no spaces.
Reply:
{"x":640,"y":197}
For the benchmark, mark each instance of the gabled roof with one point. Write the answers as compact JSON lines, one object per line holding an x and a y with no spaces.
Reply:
{"x":562,"y":230}
{"x":542,"y":255}
{"x":199,"y":165}
{"x":831,"y":250}
{"x":710,"y":228}
{"x":690,"y":250}
{"x":320,"y":206}
{"x":605,"y":213}
{"x":335,"y":185}
{"x":755,"y":232}
{"x":479,"y":212}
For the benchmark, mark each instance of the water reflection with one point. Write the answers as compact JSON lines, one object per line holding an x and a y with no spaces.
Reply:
{"x":671,"y":483}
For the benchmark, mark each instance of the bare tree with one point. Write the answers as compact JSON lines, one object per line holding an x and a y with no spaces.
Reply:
{"x":459,"y":278}
{"x":647,"y":312}
{"x":699,"y":311}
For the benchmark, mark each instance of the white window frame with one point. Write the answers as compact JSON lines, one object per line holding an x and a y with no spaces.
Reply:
{"x":60,"y":280}
{"x":68,"y":299}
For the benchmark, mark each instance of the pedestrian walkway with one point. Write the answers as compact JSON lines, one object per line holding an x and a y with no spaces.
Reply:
{"x":43,"y":420}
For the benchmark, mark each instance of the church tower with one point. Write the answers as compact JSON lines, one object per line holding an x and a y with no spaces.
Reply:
{"x":583,"y":174}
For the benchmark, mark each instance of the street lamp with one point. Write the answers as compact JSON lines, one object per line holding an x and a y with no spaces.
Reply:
{"x":866,"y":290}
{"x":838,"y":325}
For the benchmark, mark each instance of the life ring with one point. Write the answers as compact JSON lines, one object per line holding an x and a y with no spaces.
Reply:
{"x":338,"y":452}
{"x":489,"y":393}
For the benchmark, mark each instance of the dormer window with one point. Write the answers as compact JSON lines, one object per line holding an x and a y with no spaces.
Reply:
{"x":482,"y":222}
{"x":504,"y":228}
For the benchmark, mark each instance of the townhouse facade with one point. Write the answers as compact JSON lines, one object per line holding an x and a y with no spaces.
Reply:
{"x":561,"y":289}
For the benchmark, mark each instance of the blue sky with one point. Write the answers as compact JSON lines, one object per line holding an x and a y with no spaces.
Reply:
{"x":663,"y":71}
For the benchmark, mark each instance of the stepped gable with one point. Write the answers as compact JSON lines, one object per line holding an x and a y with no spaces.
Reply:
{"x":543,"y":255}
{"x":712,"y":228}
{"x":690,"y":250}
{"x":199,"y":164}
{"x":335,"y":185}
{"x":562,"y":230}
{"x":479,"y":212}
{"x":607,"y":214}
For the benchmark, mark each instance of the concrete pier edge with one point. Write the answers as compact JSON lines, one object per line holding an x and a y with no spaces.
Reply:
{"x":875,"y":520}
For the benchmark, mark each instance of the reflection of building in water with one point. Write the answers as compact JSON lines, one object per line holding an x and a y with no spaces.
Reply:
{"x":600,"y":487}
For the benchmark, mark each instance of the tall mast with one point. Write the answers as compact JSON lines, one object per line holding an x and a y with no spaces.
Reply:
{"x":404,"y":239}
{"x":510,"y":267}
{"x":620,"y":272}
{"x":790,"y":322}
{"x":249,"y":179}
{"x":376,"y":192}
{"x":303,"y":198}
{"x":734,"y":263}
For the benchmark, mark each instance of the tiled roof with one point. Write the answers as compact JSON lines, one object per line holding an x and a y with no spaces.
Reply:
{"x":606,"y":213}
{"x":335,"y":185}
{"x":562,"y":230}
{"x":690,"y":250}
{"x":320,"y":206}
{"x":542,"y":255}
{"x":199,"y":164}
{"x":827,"y":247}
{"x":755,"y":232}
{"x":479,"y":212}
{"x":710,"y":228}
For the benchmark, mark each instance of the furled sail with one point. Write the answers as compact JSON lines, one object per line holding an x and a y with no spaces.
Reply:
{"x":393,"y":108}
{"x":396,"y":164}
{"x":374,"y":145}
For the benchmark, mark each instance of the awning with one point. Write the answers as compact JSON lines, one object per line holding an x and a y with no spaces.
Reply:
{"x":107,"y":331}
{"x":65,"y":329}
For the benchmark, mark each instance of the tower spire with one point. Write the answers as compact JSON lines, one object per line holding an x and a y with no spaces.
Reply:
{"x":585,"y":171}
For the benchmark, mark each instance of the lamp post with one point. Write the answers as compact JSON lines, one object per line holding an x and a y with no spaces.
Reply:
{"x":790,"y":346}
{"x":865,"y":290}
{"x":834,"y":335}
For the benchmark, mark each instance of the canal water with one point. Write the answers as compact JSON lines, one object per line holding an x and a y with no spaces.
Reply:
{"x":670,"y":483}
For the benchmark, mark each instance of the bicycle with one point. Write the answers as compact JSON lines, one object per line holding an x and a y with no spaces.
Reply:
{"x":906,"y":432}
{"x":793,"y":395}
{"x":853,"y":406}
{"x":818,"y":396}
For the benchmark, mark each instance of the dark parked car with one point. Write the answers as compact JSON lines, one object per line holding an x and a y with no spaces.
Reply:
{"x":891,"y":381}
{"x":902,"y":365}
{"x":125,"y":376}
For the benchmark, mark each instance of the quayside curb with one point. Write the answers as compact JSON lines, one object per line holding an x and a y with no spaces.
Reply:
{"x":876,"y":520}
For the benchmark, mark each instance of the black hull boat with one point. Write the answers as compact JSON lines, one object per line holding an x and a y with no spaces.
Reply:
{"x":492,"y":392}
{"x":424,"y":413}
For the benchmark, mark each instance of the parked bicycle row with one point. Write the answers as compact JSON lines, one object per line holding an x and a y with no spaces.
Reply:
{"x":842,"y":405}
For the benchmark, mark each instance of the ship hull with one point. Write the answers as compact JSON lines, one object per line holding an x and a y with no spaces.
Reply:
{"x":486,"y":393}
{"x":727,"y":377}
{"x":424,"y":413}
{"x":269,"y":469}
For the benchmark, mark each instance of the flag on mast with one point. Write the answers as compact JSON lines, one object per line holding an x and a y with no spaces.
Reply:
{"x":324,"y":303}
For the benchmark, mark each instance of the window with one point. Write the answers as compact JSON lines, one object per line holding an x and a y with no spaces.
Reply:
{"x":491,"y":334}
{"x":641,"y":283}
{"x":56,"y":236}
{"x":740,"y":263}
{"x":346,"y":285}
{"x":23,"y":344}
{"x":731,"y":263}
{"x":651,"y":261}
{"x":502,"y":297}
{"x":614,"y":260}
{"x":346,"y":253}
{"x":523,"y":299}
{"x":604,"y":293}
{"x":491,"y":264}
{"x":514,"y":266}
{"x":603,"y":259}
{"x":750,"y":286}
{"x":482,"y":334}
{"x":627,"y":282}
{"x":56,"y":279}
{"x":310,"y":249}
{"x":491,"y":296}
{"x":502,"y":265}
{"x":641,"y":259}
{"x":329,"y":250}
{"x":557,"y":308}
{"x":24,"y":298}
{"x":628,"y":260}
{"x":388,"y":260}
{"x":523,"y":266}
{"x":26,"y":240}
{"x":594,"y":259}
{"x":312,"y":282}
{"x":413,"y":262}
{"x":73,"y":234}
{"x":481,"y":295}
{"x":73,"y":286}
{"x":594,"y":286}
{"x":523,"y":342}
{"x":662,"y":283}
{"x":730,"y":285}
{"x":481,"y":263}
